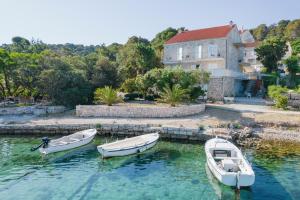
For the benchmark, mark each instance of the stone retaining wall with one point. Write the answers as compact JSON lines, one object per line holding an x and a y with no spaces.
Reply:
{"x":35,"y":110}
{"x":138,"y":111}
{"x":108,"y":129}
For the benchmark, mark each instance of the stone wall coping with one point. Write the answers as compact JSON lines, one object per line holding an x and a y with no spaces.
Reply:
{"x":140,"y":111}
{"x":34,"y":110}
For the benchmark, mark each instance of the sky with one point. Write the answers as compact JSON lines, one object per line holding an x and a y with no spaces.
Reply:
{"x":107,"y":21}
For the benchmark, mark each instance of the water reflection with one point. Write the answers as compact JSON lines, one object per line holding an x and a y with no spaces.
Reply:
{"x":139,"y":165}
{"x":86,"y":152}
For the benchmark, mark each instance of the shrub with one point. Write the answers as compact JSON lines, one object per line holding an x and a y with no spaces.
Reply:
{"x":281,"y":102}
{"x":129,"y":86}
{"x":173,"y":95}
{"x":195,"y":92}
{"x":106,"y":95}
{"x":275,"y":91}
{"x":155,"y":80}
{"x":298,"y":90}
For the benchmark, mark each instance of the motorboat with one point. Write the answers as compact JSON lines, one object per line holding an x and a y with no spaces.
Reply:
{"x":67,"y":142}
{"x":227,"y":163}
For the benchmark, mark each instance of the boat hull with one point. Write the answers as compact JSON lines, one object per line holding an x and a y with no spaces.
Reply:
{"x":125,"y":151}
{"x":58,"y":148}
{"x":243,"y":178}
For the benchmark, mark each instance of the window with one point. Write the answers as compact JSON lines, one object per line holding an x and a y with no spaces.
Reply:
{"x":179,"y":53}
{"x":212,"y":50}
{"x":197,"y":66}
{"x":199,"y":55}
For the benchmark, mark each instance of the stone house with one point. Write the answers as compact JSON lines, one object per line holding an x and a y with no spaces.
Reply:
{"x":216,"y":50}
{"x":250,"y":65}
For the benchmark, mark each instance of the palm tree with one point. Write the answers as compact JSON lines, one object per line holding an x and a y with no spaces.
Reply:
{"x":106,"y":95}
{"x":173,"y":95}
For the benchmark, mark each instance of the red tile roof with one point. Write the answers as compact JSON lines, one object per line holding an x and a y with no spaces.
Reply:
{"x":201,"y":34}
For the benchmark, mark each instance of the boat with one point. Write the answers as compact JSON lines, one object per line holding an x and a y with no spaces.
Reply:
{"x":128,"y":146}
{"x":227,"y":163}
{"x":67,"y":142}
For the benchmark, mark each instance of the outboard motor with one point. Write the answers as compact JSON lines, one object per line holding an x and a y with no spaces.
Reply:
{"x":44,"y":144}
{"x":45,"y":141}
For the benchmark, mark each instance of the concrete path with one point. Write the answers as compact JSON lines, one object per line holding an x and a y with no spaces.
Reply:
{"x":251,"y":108}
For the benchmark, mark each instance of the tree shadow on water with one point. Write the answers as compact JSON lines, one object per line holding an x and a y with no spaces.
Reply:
{"x":266,"y":186}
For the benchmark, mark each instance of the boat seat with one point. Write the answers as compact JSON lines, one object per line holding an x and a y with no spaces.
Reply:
{"x":229,"y":166}
{"x":231,"y":158}
{"x":221,"y":153}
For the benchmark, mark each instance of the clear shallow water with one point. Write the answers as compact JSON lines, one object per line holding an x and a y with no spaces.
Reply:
{"x":170,"y":170}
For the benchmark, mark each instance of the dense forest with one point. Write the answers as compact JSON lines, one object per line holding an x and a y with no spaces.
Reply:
{"x":69,"y":74}
{"x":289,"y":30}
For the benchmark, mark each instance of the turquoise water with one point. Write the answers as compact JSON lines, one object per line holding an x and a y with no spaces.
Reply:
{"x":170,"y":170}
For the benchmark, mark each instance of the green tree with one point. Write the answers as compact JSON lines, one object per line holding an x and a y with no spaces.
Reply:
{"x":292,"y":67}
{"x":270,"y":53}
{"x":37,"y":46}
{"x":105,"y":74}
{"x":159,"y":40}
{"x":278,"y":29}
{"x":296,"y":46}
{"x":20,"y":44}
{"x":260,"y":32}
{"x":7,"y":70}
{"x":90,"y":61}
{"x":136,"y":57}
{"x":64,"y":86}
{"x":26,"y":73}
{"x":293,"y":29}
{"x":110,"y":52}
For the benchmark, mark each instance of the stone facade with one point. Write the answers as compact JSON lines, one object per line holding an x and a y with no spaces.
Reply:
{"x":138,"y":111}
{"x":32,"y":110}
{"x":218,"y":88}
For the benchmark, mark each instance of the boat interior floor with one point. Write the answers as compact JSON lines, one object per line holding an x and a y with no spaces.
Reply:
{"x":226,"y":160}
{"x":68,"y":139}
{"x":136,"y":141}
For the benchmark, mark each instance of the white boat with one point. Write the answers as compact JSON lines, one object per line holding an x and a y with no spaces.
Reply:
{"x":227,"y":163}
{"x":128,"y":146}
{"x":69,"y":142}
